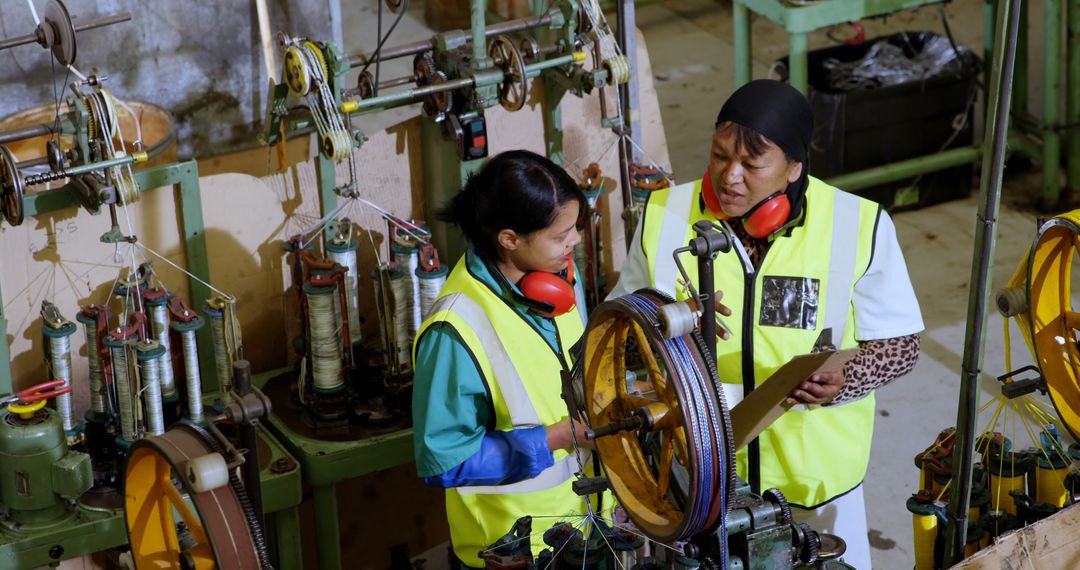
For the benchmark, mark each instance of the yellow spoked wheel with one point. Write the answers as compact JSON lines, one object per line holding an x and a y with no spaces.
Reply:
{"x":167,"y":482}
{"x":668,"y":453}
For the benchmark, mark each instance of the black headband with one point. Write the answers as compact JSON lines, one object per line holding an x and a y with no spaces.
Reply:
{"x":774,"y":109}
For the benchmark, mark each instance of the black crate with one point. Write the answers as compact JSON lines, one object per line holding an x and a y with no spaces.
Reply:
{"x":855,"y":130}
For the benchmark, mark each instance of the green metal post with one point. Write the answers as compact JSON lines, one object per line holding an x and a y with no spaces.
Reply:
{"x":989,"y":20}
{"x":287,"y":528}
{"x":191,"y":220}
{"x":743,"y":61}
{"x":324,"y":170}
{"x":1072,"y":97}
{"x":327,"y":530}
{"x":999,"y":93}
{"x":444,"y":176}
{"x":798,"y":67}
{"x":871,"y":177}
{"x":1020,"y":82}
{"x":478,"y":14}
{"x":1051,"y":98}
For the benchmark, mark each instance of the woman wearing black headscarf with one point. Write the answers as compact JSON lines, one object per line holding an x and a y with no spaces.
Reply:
{"x":813,"y":267}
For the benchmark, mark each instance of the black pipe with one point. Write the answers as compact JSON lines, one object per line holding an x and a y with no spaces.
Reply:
{"x":992,"y":171}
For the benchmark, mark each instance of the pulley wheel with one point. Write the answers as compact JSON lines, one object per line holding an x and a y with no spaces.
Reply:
{"x":156,"y":496}
{"x":673,"y":476}
{"x":1052,"y":322}
{"x":297,"y":74}
{"x":11,"y":188}
{"x":514,"y":88}
{"x":63,"y":32}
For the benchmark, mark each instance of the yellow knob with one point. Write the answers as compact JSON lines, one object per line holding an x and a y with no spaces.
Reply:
{"x":579,"y":56}
{"x":350,"y":106}
{"x":26,"y":411}
{"x":141,"y":156}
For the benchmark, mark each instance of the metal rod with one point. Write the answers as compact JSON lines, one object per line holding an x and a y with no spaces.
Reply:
{"x":982,"y":259}
{"x":80,"y":27}
{"x":83,"y":169}
{"x":1072,"y":97}
{"x":1051,"y":139}
{"x":249,"y":439}
{"x":507,"y":27}
{"x":906,"y":168}
{"x":26,"y":133}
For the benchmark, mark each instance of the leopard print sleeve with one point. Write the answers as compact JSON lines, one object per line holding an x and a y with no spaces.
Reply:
{"x":877,"y":363}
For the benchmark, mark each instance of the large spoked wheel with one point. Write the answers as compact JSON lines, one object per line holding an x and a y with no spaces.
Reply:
{"x":11,"y":188}
{"x":1053,"y":321}
{"x":673,"y":472}
{"x":515,"y":86}
{"x":160,"y":490}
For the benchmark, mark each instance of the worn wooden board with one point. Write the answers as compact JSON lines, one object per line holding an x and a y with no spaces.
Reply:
{"x":1046,"y":545}
{"x":765,"y":404}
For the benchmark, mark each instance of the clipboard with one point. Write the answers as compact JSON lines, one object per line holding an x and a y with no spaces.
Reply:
{"x":765,"y":404}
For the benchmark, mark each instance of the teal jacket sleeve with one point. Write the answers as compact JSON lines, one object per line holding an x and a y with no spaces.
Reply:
{"x":453,"y":417}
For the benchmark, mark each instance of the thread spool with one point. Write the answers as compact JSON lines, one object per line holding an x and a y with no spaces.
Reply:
{"x":192,"y":376}
{"x":677,"y":319}
{"x":344,"y":254}
{"x":431,"y":282}
{"x":59,"y":340}
{"x":924,"y":522}
{"x":325,"y":344}
{"x":149,"y":356}
{"x":222,"y":362}
{"x":1007,"y":473}
{"x":399,"y":287}
{"x":997,"y":523}
{"x":93,"y":357}
{"x":156,"y":300}
{"x":119,"y":355}
{"x":407,"y":259}
{"x":976,"y":539}
{"x":1011,"y":301}
{"x":980,"y":501}
{"x":1050,"y":479}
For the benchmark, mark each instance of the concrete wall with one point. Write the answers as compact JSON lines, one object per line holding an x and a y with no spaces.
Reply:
{"x":199,"y":59}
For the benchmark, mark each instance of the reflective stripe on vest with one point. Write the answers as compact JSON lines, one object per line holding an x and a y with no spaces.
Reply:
{"x":553,"y":476}
{"x":844,"y":250}
{"x":519,"y":406}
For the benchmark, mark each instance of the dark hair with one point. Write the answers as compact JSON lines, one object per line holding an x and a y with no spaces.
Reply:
{"x":516,"y":190}
{"x":754,"y":142}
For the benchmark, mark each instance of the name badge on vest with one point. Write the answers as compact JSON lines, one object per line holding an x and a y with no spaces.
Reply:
{"x":789,"y":302}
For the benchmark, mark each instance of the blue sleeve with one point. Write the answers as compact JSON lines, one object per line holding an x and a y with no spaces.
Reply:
{"x":504,"y":457}
{"x":451,"y":413}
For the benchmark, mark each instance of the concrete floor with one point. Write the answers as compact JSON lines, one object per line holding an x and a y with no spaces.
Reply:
{"x":692,"y":60}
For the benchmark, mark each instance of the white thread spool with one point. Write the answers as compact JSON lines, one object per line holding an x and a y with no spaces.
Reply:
{"x":222,"y":362}
{"x":408,"y":259}
{"x":344,"y":254}
{"x":97,"y":386}
{"x":677,"y":319}
{"x":60,"y":367}
{"x":402,"y":294}
{"x":150,"y":356}
{"x":207,"y":472}
{"x":431,"y":282}
{"x":192,"y":376}
{"x":156,"y":300}
{"x":324,"y":343}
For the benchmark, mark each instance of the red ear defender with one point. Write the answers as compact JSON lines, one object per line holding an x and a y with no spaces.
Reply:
{"x":767,"y":217}
{"x":550,"y":289}
{"x":761,"y":221}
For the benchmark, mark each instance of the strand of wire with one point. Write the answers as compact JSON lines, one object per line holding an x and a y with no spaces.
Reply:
{"x":402,"y":296}
{"x":314,"y":231}
{"x":409,"y":304}
{"x":185,"y":272}
{"x":124,"y":395}
{"x":325,"y":342}
{"x":93,"y":357}
{"x":150,"y":375}
{"x":328,"y":120}
{"x":159,"y":322}
{"x":60,"y":368}
{"x":430,"y":285}
{"x":402,"y":224}
{"x":192,"y":376}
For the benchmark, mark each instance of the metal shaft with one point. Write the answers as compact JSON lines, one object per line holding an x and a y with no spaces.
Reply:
{"x":507,"y":27}
{"x":24,"y":133}
{"x":249,"y":439}
{"x":990,"y":187}
{"x":79,"y":27}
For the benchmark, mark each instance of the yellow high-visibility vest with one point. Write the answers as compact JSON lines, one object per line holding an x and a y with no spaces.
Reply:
{"x":812,"y":454}
{"x":523,"y":375}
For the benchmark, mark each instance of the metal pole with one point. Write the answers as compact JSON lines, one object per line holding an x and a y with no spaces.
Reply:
{"x":1072,"y":97}
{"x":906,"y":168}
{"x":81,"y":27}
{"x":327,"y":529}
{"x":990,"y":187}
{"x":740,"y":19}
{"x":626,"y":129}
{"x":628,"y":92}
{"x":26,"y":133}
{"x":1051,"y":98}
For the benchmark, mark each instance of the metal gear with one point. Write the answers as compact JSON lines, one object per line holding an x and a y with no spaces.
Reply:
{"x":811,"y":545}
{"x":424,"y":68}
{"x":514,"y":89}
{"x":774,"y":496}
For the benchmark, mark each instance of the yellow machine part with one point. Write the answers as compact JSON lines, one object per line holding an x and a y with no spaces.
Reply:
{"x":926,"y":530}
{"x":1000,"y":500}
{"x":1049,"y":324}
{"x":1050,"y":486}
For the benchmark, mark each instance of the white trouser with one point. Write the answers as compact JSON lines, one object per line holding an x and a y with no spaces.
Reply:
{"x":845,"y":517}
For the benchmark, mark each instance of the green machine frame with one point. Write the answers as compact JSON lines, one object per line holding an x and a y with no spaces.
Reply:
{"x":97,"y":530}
{"x":1037,"y":138}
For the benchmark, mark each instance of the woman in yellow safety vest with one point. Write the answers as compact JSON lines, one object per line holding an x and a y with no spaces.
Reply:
{"x":490,"y":425}
{"x":809,"y":259}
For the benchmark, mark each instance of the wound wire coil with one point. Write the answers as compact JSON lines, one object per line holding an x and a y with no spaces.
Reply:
{"x":97,"y":387}
{"x":119,"y":354}
{"x":407,"y":259}
{"x":159,"y":325}
{"x":402,"y":294}
{"x":60,"y":368}
{"x":221,"y":352}
{"x":344,"y":254}
{"x":325,"y":346}
{"x":150,"y":358}
{"x":192,"y":376}
{"x":431,"y":282}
